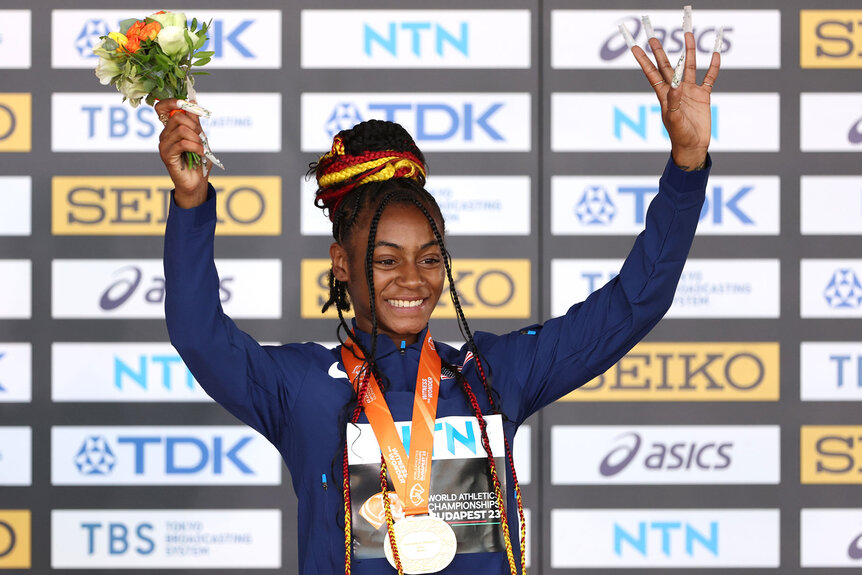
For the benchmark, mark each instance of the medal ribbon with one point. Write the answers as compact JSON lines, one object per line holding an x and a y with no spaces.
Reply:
{"x":411,"y":475}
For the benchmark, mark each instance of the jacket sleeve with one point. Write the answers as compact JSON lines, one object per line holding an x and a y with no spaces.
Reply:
{"x":246,"y":378}
{"x":568,"y":351}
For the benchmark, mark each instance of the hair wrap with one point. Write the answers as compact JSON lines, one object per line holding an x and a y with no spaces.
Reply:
{"x":339,"y":172}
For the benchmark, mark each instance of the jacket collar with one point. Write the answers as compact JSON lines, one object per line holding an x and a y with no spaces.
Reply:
{"x":385,"y":345}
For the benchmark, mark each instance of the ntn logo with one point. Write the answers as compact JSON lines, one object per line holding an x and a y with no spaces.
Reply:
{"x":673,"y":536}
{"x":165,"y":367}
{"x":451,"y":435}
{"x":419,"y":35}
{"x":646,"y":119}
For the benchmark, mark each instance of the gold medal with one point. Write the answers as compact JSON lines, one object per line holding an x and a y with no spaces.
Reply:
{"x":426,"y":544}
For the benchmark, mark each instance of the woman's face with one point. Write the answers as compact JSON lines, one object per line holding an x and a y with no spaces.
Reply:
{"x":408,"y":272}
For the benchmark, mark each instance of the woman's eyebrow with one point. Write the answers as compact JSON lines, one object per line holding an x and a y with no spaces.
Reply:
{"x":383,"y":243}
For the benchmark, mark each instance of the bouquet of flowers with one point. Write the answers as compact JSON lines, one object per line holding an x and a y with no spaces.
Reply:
{"x":154,"y":59}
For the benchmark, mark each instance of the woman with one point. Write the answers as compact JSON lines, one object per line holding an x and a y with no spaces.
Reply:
{"x":389,"y":261}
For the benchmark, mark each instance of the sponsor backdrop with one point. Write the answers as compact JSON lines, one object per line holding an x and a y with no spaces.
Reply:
{"x":729,"y":439}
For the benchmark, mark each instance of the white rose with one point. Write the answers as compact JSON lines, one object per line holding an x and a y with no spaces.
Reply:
{"x":169,"y":19}
{"x":172,"y":39}
{"x":106,"y":70}
{"x":133,"y":90}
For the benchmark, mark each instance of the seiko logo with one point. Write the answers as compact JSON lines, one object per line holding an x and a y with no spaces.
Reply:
{"x":741,"y":371}
{"x":459,"y":121}
{"x":422,"y":36}
{"x":672,"y":39}
{"x":681,"y":455}
{"x":8,"y":539}
{"x":844,"y":290}
{"x":8,"y":122}
{"x":153,"y":290}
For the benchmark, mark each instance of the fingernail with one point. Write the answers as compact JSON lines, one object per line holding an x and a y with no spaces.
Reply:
{"x":677,"y":72}
{"x":686,"y":19}
{"x":719,"y":38}
{"x":650,"y":33}
{"x":630,"y":41}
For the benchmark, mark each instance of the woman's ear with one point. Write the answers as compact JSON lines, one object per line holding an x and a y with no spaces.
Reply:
{"x":340,"y":262}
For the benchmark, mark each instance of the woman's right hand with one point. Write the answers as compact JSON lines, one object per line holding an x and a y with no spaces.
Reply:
{"x":181,"y":135}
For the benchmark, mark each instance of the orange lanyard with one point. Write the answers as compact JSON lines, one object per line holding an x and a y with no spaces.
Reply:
{"x":411,"y":475}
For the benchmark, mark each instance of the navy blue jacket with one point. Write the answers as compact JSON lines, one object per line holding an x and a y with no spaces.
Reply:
{"x":287,"y":394}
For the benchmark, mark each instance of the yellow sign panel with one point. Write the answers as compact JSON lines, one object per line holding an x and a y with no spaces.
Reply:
{"x":138,"y":205}
{"x":682,"y":371}
{"x":16,"y":111}
{"x":487,"y":288}
{"x":830,"y":38}
{"x":831,"y":454}
{"x":14,"y":539}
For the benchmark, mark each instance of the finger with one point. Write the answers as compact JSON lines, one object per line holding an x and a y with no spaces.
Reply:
{"x":173,"y":154}
{"x":653,"y":76}
{"x":690,"y":73}
{"x":661,"y":59}
{"x":712,"y":72}
{"x":173,"y":137}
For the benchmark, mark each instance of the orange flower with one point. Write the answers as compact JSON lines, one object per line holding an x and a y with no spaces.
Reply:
{"x":133,"y":45}
{"x":150,"y":31}
{"x":135,"y":29}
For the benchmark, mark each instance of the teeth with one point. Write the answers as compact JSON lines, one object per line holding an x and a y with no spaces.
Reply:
{"x":405,"y":302}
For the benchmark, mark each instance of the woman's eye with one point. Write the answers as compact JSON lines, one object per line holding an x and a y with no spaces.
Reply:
{"x":386,"y":261}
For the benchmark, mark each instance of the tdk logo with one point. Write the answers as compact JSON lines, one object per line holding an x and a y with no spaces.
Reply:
{"x":719,"y":203}
{"x":843,"y":364}
{"x":221,"y":37}
{"x":423,"y":37}
{"x":182,"y":455}
{"x":90,"y":35}
{"x":677,"y":537}
{"x":844,"y":290}
{"x":449,"y":121}
{"x":595,"y":207}
{"x":648,"y":119}
{"x":95,"y":457}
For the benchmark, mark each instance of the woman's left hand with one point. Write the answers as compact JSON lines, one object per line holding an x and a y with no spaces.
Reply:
{"x":685,"y":110}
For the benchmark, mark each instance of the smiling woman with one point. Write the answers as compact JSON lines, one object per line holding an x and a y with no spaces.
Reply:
{"x":397,"y":463}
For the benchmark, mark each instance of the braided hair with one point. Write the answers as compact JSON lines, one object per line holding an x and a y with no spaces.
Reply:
{"x":371,"y":166}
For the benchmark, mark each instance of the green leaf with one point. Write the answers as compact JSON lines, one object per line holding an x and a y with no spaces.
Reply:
{"x":201,"y":62}
{"x":200,"y":73}
{"x":206,"y":54}
{"x":126,"y":24}
{"x":194,"y":24}
{"x":189,"y":42}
